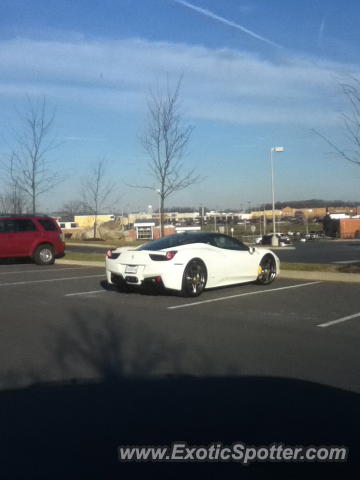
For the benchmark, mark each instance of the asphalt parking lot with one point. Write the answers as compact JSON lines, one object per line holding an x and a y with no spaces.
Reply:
{"x":322,"y":251}
{"x":84,"y":369}
{"x":52,"y":318}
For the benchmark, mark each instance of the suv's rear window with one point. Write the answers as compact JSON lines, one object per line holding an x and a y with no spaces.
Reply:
{"x":48,"y":225}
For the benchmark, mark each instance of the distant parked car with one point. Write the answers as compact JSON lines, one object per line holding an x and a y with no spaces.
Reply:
{"x":37,"y":237}
{"x":312,"y":235}
{"x":316,"y":235}
{"x":284,"y":240}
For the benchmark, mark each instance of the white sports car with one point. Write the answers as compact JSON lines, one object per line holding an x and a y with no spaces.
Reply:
{"x":191,"y":262}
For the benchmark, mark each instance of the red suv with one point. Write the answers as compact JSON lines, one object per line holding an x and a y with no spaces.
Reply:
{"x":38,"y":237}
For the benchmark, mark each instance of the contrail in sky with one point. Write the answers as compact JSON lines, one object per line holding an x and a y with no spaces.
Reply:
{"x":321,"y":32}
{"x":208,"y":13}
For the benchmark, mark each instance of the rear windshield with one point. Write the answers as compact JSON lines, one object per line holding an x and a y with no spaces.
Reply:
{"x":175,"y":241}
{"x":48,"y":225}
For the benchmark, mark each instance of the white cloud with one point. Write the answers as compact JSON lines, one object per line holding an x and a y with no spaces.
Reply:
{"x":219,"y":84}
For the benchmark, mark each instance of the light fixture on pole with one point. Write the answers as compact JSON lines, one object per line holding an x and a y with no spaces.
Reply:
{"x":274,"y":240}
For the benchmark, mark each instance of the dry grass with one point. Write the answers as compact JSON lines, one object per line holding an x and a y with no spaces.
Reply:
{"x":317,"y":267}
{"x":87,"y":257}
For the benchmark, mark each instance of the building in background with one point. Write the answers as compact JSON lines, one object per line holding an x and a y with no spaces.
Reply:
{"x":86,"y":221}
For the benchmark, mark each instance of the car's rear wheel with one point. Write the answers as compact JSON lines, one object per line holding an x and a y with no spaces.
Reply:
{"x":267,"y":270}
{"x":44,"y":255}
{"x":194,"y":278}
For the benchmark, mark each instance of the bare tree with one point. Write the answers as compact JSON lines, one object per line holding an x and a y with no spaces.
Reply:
{"x":74,"y":207}
{"x":13,"y":200}
{"x":165,"y":142}
{"x":29,"y":166}
{"x":96,"y":190}
{"x":351,"y":123}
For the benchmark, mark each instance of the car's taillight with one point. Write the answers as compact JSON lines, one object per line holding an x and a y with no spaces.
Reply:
{"x":61,"y":237}
{"x":161,"y":258}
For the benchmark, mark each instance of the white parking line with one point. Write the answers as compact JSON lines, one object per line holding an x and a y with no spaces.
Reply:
{"x":338,"y":320}
{"x":40,"y":270}
{"x":11,"y":284}
{"x":241,"y":295}
{"x":84,"y":293}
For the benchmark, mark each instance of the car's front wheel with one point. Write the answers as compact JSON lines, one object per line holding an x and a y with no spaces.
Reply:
{"x":44,"y":255}
{"x":267,"y":270}
{"x":194,"y":278}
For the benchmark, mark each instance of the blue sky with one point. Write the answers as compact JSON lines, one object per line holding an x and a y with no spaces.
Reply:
{"x":257,"y":74}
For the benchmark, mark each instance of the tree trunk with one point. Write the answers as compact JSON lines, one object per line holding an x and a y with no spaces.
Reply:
{"x":95,"y":226}
{"x":162,"y":216}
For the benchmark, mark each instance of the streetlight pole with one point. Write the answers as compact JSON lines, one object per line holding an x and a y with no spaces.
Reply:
{"x":159,"y":192}
{"x":260,"y":220}
{"x":274,"y":240}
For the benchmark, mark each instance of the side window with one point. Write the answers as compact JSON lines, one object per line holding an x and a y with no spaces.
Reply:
{"x":2,"y":226}
{"x":228,"y":243}
{"x":48,"y":225}
{"x":10,"y":226}
{"x":217,"y":242}
{"x":24,"y":225}
{"x":238,"y":245}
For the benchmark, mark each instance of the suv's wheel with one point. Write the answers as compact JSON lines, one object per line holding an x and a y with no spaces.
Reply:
{"x":44,"y":255}
{"x":194,"y":279}
{"x":267,"y":270}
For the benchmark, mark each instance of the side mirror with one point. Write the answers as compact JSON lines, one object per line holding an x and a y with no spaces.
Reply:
{"x":251,"y":250}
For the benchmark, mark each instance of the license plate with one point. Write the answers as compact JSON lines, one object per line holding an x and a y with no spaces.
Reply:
{"x":131,"y":269}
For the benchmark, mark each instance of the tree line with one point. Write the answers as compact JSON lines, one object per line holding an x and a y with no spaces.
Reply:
{"x":30,"y":173}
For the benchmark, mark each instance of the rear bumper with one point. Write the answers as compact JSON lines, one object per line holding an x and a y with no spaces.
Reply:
{"x":154,"y":283}
{"x":170,"y":273}
{"x":59,"y":249}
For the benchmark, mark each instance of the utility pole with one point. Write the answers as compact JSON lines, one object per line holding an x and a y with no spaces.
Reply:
{"x":275,"y":241}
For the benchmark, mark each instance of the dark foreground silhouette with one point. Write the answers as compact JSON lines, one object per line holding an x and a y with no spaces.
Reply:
{"x":73,"y":430}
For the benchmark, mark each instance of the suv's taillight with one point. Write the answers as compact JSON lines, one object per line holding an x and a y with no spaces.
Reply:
{"x":62,"y":237}
{"x":161,"y":258}
{"x":112,"y":255}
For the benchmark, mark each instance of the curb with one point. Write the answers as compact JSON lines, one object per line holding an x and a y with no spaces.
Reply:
{"x":84,"y":263}
{"x":90,"y":245}
{"x":321,"y":276}
{"x":283,"y":249}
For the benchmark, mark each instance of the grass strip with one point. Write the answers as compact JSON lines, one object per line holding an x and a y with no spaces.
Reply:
{"x":318,"y":267}
{"x":87,"y":257}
